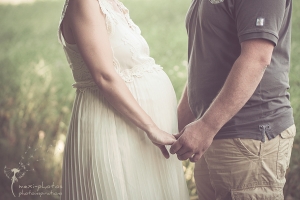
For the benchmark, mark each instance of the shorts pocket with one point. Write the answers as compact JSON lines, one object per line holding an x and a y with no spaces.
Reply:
{"x":284,"y":151}
{"x":258,"y":193}
{"x":289,"y":133}
{"x":248,"y":147}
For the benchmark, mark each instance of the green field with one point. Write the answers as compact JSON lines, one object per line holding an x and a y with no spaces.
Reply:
{"x":36,"y":95}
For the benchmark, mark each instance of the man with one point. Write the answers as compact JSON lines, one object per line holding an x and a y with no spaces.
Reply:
{"x":235,"y":117}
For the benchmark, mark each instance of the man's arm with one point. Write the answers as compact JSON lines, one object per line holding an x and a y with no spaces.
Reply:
{"x":243,"y":79}
{"x":185,"y":115}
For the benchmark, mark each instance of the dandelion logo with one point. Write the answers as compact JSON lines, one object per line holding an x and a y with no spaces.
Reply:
{"x":16,"y":173}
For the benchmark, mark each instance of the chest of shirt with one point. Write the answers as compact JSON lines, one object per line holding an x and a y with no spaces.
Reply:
{"x":211,"y":17}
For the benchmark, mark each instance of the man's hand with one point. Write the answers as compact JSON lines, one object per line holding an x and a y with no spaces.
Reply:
{"x":193,"y":141}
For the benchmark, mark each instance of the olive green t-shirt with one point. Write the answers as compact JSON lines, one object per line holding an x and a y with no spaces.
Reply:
{"x":216,"y":29}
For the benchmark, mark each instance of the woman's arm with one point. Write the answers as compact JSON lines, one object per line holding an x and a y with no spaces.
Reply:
{"x":87,"y":23}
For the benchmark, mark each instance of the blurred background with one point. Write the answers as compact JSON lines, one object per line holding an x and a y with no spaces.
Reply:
{"x":36,"y":95}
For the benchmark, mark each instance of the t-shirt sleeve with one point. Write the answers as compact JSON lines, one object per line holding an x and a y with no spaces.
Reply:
{"x":259,"y":19}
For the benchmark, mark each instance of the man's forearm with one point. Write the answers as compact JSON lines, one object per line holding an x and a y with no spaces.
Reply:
{"x":239,"y":86}
{"x":185,"y":115}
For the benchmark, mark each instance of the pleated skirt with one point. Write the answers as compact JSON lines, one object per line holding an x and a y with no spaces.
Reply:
{"x":106,"y":157}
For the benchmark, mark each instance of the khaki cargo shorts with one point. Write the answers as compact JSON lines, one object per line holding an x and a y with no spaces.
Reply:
{"x":245,"y":169}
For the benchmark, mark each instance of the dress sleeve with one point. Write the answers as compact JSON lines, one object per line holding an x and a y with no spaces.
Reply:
{"x":259,"y":19}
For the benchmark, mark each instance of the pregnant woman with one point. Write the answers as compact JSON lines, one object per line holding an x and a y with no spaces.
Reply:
{"x":123,"y":113}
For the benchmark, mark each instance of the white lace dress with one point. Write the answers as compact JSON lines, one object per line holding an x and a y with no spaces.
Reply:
{"x":106,"y":156}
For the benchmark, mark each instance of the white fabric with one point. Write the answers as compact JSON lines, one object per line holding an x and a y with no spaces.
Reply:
{"x":106,"y":157}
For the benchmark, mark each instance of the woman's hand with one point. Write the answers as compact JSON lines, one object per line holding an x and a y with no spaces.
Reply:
{"x":161,"y":138}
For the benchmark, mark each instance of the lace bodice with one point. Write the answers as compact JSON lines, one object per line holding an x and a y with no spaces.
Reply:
{"x":131,"y":57}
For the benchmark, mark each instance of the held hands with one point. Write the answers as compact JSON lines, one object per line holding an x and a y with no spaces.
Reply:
{"x":193,"y":141}
{"x":160,"y":138}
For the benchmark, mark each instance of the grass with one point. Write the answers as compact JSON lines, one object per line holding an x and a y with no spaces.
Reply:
{"x":36,"y":94}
